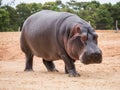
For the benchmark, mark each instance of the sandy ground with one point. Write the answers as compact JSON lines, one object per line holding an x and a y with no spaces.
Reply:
{"x":104,"y":76}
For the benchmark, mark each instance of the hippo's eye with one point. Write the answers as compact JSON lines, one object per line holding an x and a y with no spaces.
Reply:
{"x":84,"y":37}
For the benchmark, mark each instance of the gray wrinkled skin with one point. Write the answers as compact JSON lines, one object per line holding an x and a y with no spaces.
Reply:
{"x":59,"y":35}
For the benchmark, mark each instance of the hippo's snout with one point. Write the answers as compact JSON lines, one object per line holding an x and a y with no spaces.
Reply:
{"x":90,"y":58}
{"x":95,"y":56}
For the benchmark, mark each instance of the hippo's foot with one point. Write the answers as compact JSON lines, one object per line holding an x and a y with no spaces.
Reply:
{"x":29,"y":70}
{"x":53,"y":70}
{"x":50,"y":66}
{"x":66,"y":71}
{"x":73,"y":73}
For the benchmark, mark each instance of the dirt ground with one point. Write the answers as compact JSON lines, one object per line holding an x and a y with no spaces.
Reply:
{"x":104,"y":76}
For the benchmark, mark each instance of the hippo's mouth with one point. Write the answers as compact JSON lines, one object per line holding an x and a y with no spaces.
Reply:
{"x":91,"y":59}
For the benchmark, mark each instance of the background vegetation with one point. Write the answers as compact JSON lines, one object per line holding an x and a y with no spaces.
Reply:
{"x":101,"y":16}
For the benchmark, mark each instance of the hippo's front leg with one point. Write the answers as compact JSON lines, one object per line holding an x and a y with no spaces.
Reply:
{"x":70,"y":67}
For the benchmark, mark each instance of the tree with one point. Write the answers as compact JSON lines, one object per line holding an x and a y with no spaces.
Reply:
{"x":115,"y":14}
{"x":4,"y":20}
{"x":50,"y":6}
{"x":104,"y":20}
{"x":0,"y":2}
{"x":101,"y":16}
{"x":25,"y":10}
{"x":34,"y":7}
{"x":58,"y":2}
{"x":12,"y":16}
{"x":88,"y":12}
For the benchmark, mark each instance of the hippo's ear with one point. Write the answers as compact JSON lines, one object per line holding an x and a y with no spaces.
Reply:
{"x":75,"y":30}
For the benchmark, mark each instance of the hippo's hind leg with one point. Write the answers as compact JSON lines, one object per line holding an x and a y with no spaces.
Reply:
{"x":28,"y":54}
{"x":29,"y":63}
{"x":50,"y":66}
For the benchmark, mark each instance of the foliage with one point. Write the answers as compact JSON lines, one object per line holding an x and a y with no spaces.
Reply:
{"x":101,"y":16}
{"x":4,"y":20}
{"x":104,"y":20}
{"x":0,"y":2}
{"x":25,"y":10}
{"x":115,"y":13}
{"x":13,"y":18}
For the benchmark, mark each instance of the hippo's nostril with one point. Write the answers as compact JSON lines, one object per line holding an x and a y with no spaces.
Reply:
{"x":96,"y":54}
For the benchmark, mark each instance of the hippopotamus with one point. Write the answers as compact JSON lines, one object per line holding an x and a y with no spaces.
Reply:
{"x":63,"y":36}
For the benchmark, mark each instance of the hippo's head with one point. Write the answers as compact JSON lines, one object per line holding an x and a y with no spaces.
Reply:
{"x":82,"y":45}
